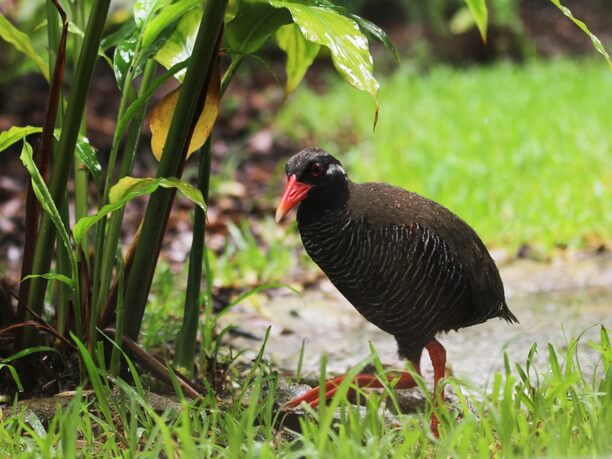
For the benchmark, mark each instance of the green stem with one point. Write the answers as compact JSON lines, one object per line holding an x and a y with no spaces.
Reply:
{"x":127,"y":96}
{"x":230,"y":72}
{"x":80,"y":173}
{"x":63,"y":267}
{"x":119,"y":323}
{"x":64,"y":155}
{"x":111,"y":237}
{"x":184,"y":119}
{"x":186,"y":339}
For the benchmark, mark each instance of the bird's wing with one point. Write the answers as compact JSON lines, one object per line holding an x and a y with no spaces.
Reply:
{"x":389,"y":205}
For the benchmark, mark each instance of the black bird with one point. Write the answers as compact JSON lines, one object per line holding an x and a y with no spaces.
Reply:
{"x":408,"y":265}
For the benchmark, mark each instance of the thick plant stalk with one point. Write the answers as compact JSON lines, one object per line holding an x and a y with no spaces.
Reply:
{"x":183,"y":122}
{"x":42,"y":154}
{"x":186,"y":339}
{"x":65,"y":152}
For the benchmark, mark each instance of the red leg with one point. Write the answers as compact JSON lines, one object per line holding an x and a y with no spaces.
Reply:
{"x":437,"y":354}
{"x":311,"y":397}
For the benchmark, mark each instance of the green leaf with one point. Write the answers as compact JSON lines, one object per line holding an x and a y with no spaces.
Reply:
{"x":113,"y":39}
{"x":253,"y":24}
{"x":28,"y":351}
{"x":52,"y":276}
{"x":375,"y":32}
{"x":129,"y":188}
{"x":87,"y":154}
{"x":179,"y":45}
{"x":46,"y":201}
{"x":143,"y":10}
{"x":347,"y":44}
{"x":597,"y":44}
{"x":186,"y":189}
{"x":14,"y":375}
{"x":22,"y":43}
{"x":15,"y":134}
{"x":167,"y":17}
{"x":95,"y":377}
{"x":367,"y":27}
{"x":480,"y":13}
{"x":300,"y":54}
{"x":123,"y":57}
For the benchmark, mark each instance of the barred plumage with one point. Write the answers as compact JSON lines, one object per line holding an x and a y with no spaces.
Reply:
{"x":407,"y":264}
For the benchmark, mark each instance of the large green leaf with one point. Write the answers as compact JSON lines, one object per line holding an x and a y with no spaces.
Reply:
{"x":253,"y":24}
{"x":129,"y":188}
{"x":480,"y":13}
{"x":347,"y":44}
{"x":46,"y":201}
{"x":367,"y":27}
{"x":22,"y":43}
{"x":15,"y":134}
{"x":179,"y":45}
{"x":371,"y":29}
{"x":300,"y":54}
{"x":597,"y":44}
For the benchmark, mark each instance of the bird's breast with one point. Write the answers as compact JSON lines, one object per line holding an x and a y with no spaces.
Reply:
{"x":400,"y":278}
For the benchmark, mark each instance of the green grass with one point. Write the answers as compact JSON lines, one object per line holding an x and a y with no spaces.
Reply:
{"x":523,"y":153}
{"x":563,"y":410}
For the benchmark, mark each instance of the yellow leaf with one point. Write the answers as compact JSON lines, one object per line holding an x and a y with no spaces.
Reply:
{"x":161,"y":117}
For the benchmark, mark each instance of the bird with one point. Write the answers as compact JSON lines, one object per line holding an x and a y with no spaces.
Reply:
{"x":407,"y":264}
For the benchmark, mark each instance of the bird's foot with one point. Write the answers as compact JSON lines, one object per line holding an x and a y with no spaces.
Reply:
{"x":404,"y":380}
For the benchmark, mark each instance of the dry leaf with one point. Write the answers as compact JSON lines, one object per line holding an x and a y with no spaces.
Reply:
{"x":161,"y":117}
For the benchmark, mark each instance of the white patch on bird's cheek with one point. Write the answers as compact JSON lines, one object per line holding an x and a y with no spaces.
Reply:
{"x":335,"y":169}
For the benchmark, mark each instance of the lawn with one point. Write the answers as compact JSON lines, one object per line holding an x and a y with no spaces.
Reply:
{"x":564,"y":410}
{"x":523,"y":153}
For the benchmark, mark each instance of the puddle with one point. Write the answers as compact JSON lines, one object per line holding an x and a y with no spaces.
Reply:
{"x":553,"y":302}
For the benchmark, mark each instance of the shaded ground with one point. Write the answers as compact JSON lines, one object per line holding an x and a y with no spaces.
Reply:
{"x":554,"y":302}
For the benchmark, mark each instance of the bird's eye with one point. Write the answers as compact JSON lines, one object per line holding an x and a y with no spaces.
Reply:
{"x":317,"y":169}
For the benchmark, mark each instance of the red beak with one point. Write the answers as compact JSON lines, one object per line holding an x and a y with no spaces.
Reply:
{"x":294,"y":193}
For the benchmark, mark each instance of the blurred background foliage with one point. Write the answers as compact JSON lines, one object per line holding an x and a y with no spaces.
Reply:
{"x":482,"y":128}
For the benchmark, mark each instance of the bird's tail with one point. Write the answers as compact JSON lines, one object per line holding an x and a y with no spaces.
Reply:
{"x":507,"y":315}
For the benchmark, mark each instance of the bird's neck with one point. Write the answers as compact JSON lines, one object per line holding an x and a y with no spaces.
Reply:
{"x":325,"y":204}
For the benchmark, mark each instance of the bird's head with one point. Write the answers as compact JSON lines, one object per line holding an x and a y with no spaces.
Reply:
{"x":314,"y":174}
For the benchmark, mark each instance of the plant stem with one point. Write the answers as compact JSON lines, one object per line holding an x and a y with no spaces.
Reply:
{"x":182,"y":125}
{"x":186,"y":339}
{"x":111,"y":237}
{"x":64,"y":155}
{"x":230,"y":72}
{"x":119,"y":323}
{"x":127,"y":95}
